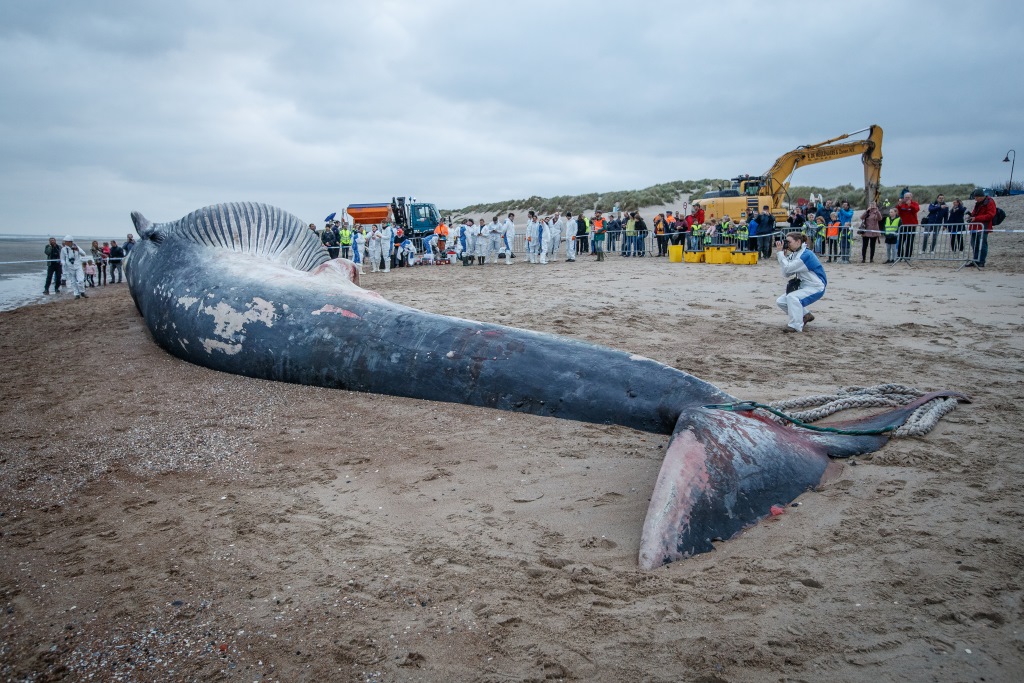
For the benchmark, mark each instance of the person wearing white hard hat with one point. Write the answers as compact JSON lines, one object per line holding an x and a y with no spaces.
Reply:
{"x":72,"y":260}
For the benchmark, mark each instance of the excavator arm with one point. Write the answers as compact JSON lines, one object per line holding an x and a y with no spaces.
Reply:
{"x":776,"y":180}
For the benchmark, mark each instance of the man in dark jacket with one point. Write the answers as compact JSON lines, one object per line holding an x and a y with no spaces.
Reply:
{"x":765,"y":231}
{"x":116,"y":257}
{"x":582,"y":241}
{"x":612,"y":228}
{"x":53,"y":269}
{"x":938,"y":216}
{"x":641,"y":235}
{"x":331,"y":240}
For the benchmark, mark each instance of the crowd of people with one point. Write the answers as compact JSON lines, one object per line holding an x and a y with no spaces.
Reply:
{"x":69,"y":265}
{"x":829,"y":228}
{"x":816,"y":229}
{"x":898,"y":228}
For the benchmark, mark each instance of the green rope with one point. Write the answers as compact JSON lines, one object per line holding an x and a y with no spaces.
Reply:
{"x":745,"y":406}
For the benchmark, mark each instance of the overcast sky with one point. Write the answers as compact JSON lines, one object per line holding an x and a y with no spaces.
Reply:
{"x":164,"y":107}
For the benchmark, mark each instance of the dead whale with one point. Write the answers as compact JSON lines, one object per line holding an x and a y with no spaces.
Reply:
{"x":246,"y":288}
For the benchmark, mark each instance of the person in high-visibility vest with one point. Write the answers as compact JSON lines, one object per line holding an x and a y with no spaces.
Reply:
{"x":742,"y":236}
{"x":891,"y":230}
{"x":726,"y":231}
{"x":597,"y":229}
{"x":345,"y":236}
{"x":629,"y":243}
{"x":597,"y":225}
{"x":660,"y":228}
{"x":697,"y":236}
{"x":832,"y":234}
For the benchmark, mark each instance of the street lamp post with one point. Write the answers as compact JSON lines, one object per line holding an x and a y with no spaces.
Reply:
{"x":1009,"y":188}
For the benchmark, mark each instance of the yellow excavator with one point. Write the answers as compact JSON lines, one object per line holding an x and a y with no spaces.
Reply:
{"x":749,"y":193}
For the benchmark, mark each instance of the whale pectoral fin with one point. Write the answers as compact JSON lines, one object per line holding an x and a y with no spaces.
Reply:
{"x":722,"y":473}
{"x":724,"y":470}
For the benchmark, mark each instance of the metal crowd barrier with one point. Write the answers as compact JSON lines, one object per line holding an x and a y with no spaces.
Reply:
{"x":952,"y":243}
{"x":955,"y":243}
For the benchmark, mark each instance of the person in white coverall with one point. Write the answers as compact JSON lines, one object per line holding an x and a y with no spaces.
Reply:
{"x":387,"y":245}
{"x":799,"y":261}
{"x":531,"y":238}
{"x":555,"y":223}
{"x":570,"y":237}
{"x":374,"y":248}
{"x":358,"y":247}
{"x":494,"y":240}
{"x":407,"y":250}
{"x":509,"y":237}
{"x":472,"y":235}
{"x":460,"y":240}
{"x":543,"y":239}
{"x":505,"y":240}
{"x":72,"y":260}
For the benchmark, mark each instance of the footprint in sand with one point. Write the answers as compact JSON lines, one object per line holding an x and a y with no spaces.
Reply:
{"x":891,"y":488}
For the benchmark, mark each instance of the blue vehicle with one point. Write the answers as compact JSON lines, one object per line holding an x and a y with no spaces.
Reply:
{"x":417,"y":219}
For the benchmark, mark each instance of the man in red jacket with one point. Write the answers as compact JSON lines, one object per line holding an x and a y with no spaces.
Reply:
{"x":908,"y":210}
{"x":981,"y":225}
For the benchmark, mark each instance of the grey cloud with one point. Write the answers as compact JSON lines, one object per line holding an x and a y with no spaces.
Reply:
{"x":164,"y":107}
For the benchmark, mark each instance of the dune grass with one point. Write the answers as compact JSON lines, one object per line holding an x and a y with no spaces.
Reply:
{"x":667,"y":193}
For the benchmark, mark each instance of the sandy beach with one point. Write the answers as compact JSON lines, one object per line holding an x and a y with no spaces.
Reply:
{"x":165,"y":522}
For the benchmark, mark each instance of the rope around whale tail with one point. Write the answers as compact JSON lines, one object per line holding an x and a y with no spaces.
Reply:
{"x":812,"y":408}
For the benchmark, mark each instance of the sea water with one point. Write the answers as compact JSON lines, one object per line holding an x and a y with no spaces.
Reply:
{"x":23,"y":270}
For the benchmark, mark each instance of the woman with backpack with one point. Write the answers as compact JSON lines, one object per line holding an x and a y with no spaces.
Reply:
{"x":982,"y":218}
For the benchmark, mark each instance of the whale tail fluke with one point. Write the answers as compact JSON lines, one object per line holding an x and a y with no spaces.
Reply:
{"x":724,"y":470}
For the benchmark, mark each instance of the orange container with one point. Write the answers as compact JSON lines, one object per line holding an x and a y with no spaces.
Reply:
{"x":368,"y":214}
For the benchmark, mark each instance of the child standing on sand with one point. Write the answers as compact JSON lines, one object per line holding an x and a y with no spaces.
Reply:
{"x":90,"y":272}
{"x":832,"y":233}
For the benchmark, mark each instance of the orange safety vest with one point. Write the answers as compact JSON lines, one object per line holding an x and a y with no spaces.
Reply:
{"x":441,"y":230}
{"x":832,"y":230}
{"x":598,"y":224}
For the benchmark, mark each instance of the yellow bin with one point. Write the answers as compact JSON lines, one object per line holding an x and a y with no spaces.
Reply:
{"x":746,"y":258}
{"x":675,"y":253}
{"x":718,"y":254}
{"x":693,"y":256}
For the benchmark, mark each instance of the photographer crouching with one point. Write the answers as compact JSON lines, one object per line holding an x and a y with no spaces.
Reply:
{"x":807,"y":280}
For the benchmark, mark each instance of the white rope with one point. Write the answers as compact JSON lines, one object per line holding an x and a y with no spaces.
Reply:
{"x":924,"y":419}
{"x":920,"y":422}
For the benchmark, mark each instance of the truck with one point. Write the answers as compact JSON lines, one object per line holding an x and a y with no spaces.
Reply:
{"x":748,"y":194}
{"x":416,"y":219}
